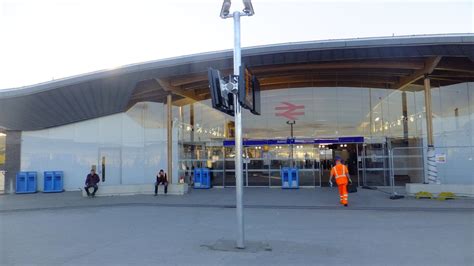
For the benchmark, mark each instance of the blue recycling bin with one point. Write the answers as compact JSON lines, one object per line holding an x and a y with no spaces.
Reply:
{"x":294,"y":178}
{"x":53,"y":181}
{"x":205,"y":178}
{"x":289,"y":177}
{"x":202,"y":178}
{"x":26,"y":182}
{"x":285,"y":178}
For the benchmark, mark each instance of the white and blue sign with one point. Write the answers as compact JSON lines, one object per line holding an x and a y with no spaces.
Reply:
{"x":260,"y":142}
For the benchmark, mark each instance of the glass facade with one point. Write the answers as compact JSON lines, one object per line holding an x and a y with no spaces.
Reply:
{"x":2,"y":161}
{"x":385,"y":118}
{"x":134,"y":143}
{"x":132,"y":146}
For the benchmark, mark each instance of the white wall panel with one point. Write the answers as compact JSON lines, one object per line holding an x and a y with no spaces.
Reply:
{"x":137,"y":135}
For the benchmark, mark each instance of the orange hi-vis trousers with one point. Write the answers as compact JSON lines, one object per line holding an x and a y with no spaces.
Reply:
{"x":343,"y":193}
{"x":341,"y":181}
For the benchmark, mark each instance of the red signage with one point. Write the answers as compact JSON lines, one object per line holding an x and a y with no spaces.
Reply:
{"x":289,"y":110}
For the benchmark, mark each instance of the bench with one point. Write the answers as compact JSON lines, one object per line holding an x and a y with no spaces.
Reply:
{"x":143,"y":189}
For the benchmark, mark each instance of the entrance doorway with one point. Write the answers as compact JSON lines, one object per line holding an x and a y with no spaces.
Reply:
{"x":347,"y":152}
{"x":264,"y":160}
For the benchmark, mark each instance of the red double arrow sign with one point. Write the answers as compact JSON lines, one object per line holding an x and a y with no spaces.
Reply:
{"x":289,"y":110}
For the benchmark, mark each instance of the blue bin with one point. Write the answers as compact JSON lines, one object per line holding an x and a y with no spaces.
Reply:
{"x":294,"y":178}
{"x":26,"y":182}
{"x":53,"y":181}
{"x":48,"y":181}
{"x":197,"y":177}
{"x":289,"y":177}
{"x":58,"y":181}
{"x":202,"y":178}
{"x":205,"y":178}
{"x":285,"y":177}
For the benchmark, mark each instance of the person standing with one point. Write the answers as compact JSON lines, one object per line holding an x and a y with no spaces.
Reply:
{"x":341,"y":174}
{"x":91,"y":181}
{"x":161,"y":178}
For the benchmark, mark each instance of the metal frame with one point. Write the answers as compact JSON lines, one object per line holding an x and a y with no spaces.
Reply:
{"x":423,"y":156}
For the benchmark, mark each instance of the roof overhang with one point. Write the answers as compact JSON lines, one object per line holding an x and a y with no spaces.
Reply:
{"x":392,"y":63}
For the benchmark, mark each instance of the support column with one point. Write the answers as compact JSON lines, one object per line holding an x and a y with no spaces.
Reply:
{"x":405,"y":115}
{"x":191,"y":137}
{"x":429,"y":112}
{"x":432,"y":172}
{"x":181,"y":122}
{"x":12,"y":159}
{"x":191,"y":121}
{"x":169,"y":138}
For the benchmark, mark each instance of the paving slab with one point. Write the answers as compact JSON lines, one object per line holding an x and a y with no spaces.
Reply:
{"x":163,"y":235}
{"x":225,"y":198}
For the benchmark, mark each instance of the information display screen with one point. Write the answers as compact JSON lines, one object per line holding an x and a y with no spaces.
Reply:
{"x":249,"y":91}
{"x":221,"y":101}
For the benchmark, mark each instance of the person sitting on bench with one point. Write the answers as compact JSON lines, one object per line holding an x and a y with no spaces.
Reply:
{"x":161,"y":178}
{"x":91,"y":181}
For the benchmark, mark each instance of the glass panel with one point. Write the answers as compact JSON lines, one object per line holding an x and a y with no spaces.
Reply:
{"x":307,"y":177}
{"x":229,"y":178}
{"x":257,"y":164}
{"x":2,"y":161}
{"x":217,"y":178}
{"x":376,"y":165}
{"x":275,"y":178}
{"x":257,"y":178}
{"x":229,"y":164}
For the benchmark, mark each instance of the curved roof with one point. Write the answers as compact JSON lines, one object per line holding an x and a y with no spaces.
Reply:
{"x":389,"y":62}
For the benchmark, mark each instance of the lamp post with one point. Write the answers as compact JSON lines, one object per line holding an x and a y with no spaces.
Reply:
{"x":225,"y":13}
{"x":291,"y":123}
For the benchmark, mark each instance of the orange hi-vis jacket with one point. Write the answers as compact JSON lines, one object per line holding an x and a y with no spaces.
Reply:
{"x":340,"y":171}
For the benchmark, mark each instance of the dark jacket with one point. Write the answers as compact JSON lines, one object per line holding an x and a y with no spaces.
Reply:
{"x":92,"y":179}
{"x":162,"y":178}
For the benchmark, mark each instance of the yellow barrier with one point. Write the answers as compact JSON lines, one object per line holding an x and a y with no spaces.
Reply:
{"x":446,"y":195}
{"x":424,"y":195}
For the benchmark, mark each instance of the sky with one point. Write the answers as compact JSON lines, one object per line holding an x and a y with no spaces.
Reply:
{"x":43,"y":40}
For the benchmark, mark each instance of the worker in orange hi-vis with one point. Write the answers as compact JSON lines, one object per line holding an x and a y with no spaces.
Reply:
{"x":341,"y":174}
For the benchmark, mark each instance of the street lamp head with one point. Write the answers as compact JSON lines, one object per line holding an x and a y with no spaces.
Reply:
{"x":225,"y":9}
{"x":248,"y":8}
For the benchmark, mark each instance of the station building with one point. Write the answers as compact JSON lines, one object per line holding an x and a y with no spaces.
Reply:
{"x":371,"y":101}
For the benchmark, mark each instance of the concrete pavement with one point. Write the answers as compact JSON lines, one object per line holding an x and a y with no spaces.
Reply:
{"x":304,"y":198}
{"x":303,"y":227}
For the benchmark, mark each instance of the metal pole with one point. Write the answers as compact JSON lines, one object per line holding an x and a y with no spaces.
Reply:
{"x":392,"y":173}
{"x":238,"y":139}
{"x":170,"y":137}
{"x":429,"y":112}
{"x":291,"y":146}
{"x":432,"y":169}
{"x":291,"y":123}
